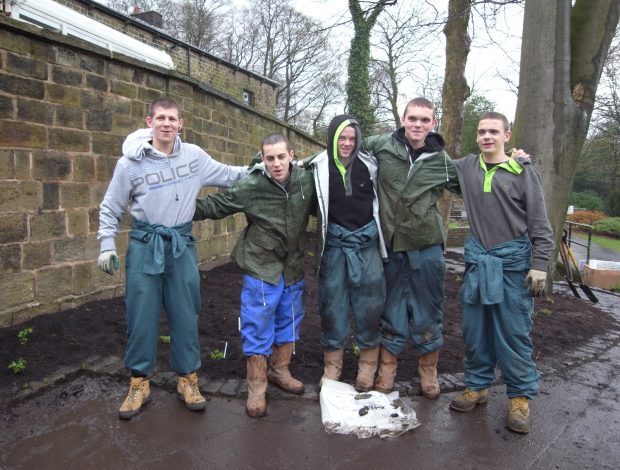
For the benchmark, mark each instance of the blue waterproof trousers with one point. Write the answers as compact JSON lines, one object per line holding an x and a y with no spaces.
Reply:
{"x":497,"y":317}
{"x":351,"y":278}
{"x":270,"y":314}
{"x":414,"y":301}
{"x":162,"y":272}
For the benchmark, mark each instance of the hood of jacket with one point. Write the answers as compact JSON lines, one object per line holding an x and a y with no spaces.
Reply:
{"x":138,"y":144}
{"x":433,"y":142}
{"x":335,"y":128}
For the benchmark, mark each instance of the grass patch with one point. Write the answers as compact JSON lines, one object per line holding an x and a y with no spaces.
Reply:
{"x":605,"y":242}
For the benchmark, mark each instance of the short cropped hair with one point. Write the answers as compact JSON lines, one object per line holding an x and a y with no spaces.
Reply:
{"x":420,"y":103}
{"x":498,"y":117}
{"x":163,"y":102}
{"x":273,"y":139}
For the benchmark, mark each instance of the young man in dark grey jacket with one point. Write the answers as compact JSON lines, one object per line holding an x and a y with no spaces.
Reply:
{"x":506,"y":259}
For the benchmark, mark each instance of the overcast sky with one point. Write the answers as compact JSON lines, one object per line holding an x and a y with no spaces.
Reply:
{"x":484,"y":60}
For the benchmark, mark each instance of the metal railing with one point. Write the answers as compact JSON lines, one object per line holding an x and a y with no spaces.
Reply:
{"x":569,"y":236}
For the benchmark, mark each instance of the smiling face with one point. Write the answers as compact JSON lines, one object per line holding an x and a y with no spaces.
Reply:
{"x":417,"y":121}
{"x":278,"y":158}
{"x":165,"y":123}
{"x":491,"y":137}
{"x":346,"y":142}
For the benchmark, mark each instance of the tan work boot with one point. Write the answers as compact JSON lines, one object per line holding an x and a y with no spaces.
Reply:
{"x":256,"y":406}
{"x":187,"y":390}
{"x":518,"y":419}
{"x":138,"y":395}
{"x":468,"y":400}
{"x":279,"y":373}
{"x":384,"y":382}
{"x":427,"y":368}
{"x":333,"y":364}
{"x":366,"y":369}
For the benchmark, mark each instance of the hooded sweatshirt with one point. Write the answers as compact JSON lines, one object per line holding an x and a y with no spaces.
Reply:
{"x":159,"y":188}
{"x":351,"y":192}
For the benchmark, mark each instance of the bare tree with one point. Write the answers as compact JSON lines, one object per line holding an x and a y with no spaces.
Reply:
{"x":196,"y":21}
{"x":401,"y":36}
{"x":193,"y":21}
{"x":273,"y":39}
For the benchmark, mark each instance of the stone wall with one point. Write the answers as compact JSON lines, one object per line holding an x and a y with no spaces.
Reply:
{"x":457,"y":236}
{"x":188,"y":60}
{"x":65,"y":107}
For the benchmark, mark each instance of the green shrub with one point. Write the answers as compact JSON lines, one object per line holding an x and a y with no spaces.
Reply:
{"x":587,"y":200}
{"x":609,"y":226}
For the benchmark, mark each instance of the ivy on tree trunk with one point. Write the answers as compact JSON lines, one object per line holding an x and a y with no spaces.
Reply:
{"x":358,"y":84}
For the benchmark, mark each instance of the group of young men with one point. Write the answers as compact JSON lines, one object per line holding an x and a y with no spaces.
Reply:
{"x":381,"y":244}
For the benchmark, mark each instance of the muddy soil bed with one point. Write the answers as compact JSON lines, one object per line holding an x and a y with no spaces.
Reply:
{"x":70,"y":337}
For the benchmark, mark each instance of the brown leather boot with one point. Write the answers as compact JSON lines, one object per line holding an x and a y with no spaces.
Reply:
{"x":256,"y":406}
{"x":279,"y":373}
{"x":384,"y":382}
{"x":333,"y":364}
{"x":427,"y":368}
{"x":187,"y":390}
{"x":138,"y":395}
{"x":366,"y":369}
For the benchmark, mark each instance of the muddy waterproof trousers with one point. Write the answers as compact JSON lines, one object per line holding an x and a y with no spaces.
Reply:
{"x":362,"y":291}
{"x":496,"y":328}
{"x":414,"y":300}
{"x":176,"y":288}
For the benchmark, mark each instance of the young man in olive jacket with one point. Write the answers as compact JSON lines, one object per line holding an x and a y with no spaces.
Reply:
{"x":414,"y":169}
{"x":277,"y":199}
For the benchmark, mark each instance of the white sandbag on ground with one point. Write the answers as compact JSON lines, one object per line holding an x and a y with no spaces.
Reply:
{"x":346,"y":411}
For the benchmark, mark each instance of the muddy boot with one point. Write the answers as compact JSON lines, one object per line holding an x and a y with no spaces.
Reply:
{"x":256,"y":406}
{"x":279,"y":373}
{"x":138,"y":395}
{"x":366,"y":369}
{"x":333,"y":364}
{"x":518,"y":419}
{"x":468,"y":400}
{"x":187,"y":390}
{"x":427,"y":368}
{"x":384,"y":382}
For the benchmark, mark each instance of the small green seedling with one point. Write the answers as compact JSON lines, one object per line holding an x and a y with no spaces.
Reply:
{"x":356,"y":349}
{"x":18,"y":366}
{"x":216,"y":354}
{"x":165,"y":339}
{"x":24,"y":335}
{"x":544,"y":311}
{"x":458,"y":278}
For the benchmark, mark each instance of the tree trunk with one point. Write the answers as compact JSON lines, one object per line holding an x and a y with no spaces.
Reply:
{"x":562,"y":58}
{"x":455,"y":90}
{"x":358,"y":85}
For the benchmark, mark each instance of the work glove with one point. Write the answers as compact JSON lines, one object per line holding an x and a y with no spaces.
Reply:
{"x":536,"y":282}
{"x":108,"y":262}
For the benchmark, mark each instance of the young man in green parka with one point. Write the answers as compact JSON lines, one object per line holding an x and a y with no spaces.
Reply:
{"x":276,"y":198}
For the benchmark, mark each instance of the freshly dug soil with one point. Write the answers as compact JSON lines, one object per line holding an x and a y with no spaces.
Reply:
{"x":98,"y":328}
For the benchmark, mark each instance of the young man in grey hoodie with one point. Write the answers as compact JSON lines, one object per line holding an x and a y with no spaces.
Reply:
{"x":157,"y":179}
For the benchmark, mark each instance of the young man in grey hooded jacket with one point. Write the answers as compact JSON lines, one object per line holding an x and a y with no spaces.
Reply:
{"x":157,"y":180}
